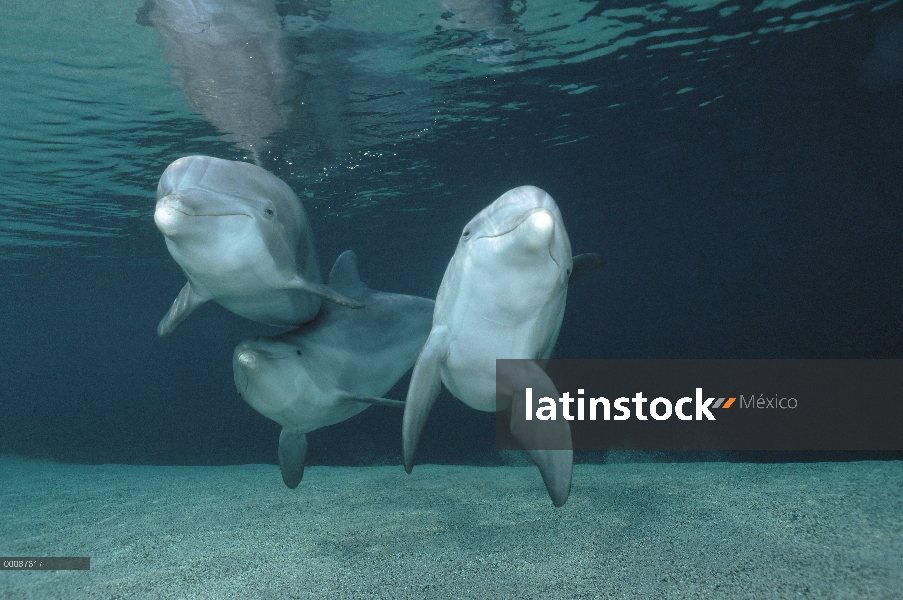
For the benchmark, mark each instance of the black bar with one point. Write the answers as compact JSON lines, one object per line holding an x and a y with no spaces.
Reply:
{"x":45,"y":563}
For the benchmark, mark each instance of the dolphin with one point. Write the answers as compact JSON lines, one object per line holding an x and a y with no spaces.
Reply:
{"x":503,"y":296}
{"x":334,"y":367}
{"x":232,"y":60}
{"x":242,"y":238}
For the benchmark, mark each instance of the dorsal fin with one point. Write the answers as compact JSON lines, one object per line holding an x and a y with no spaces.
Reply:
{"x":343,"y":277}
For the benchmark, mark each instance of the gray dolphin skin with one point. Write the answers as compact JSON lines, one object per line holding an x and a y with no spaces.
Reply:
{"x":232,"y":60}
{"x":333,"y":367}
{"x":242,"y":238}
{"x":503,"y":296}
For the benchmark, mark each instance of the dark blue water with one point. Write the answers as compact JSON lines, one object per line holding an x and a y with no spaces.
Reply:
{"x":757,"y":215}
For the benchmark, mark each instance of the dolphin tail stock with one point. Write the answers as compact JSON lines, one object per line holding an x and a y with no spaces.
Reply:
{"x":292,"y":456}
{"x":184,"y":304}
{"x":373,"y":400}
{"x":548,"y":442}
{"x":584,"y":263}
{"x":426,"y":380}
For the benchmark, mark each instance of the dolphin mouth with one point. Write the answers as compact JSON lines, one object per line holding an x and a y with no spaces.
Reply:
{"x":270,"y":355}
{"x":196,"y":213}
{"x":174,"y":220}
{"x":187,"y":205}
{"x":251,"y":363}
{"x":521,"y":221}
{"x":249,"y":357}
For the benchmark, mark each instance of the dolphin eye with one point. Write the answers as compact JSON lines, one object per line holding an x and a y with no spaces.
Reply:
{"x":466,"y":234}
{"x":269,"y":212}
{"x":298,"y":352}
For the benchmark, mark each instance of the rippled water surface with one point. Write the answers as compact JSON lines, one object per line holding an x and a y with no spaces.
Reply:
{"x":356,"y":104}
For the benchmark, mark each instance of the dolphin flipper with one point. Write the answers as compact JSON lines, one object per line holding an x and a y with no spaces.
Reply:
{"x":548,"y":442}
{"x":325,"y":292}
{"x":184,"y":304}
{"x":584,"y":263}
{"x":372,"y":400}
{"x":424,"y":388}
{"x":556,"y":467}
{"x":292,"y":455}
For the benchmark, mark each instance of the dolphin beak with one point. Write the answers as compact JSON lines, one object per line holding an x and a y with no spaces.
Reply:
{"x":246,"y":363}
{"x":167,"y":215}
{"x":247,"y":360}
{"x":537,"y":232}
{"x":539,"y":228}
{"x":172,"y":209}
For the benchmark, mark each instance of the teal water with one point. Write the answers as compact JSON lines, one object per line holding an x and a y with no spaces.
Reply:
{"x":738,"y":165}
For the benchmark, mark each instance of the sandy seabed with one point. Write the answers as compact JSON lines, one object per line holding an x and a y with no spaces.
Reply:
{"x":641,"y":530}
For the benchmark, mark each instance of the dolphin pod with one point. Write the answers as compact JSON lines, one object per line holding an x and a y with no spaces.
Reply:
{"x":243,"y":240}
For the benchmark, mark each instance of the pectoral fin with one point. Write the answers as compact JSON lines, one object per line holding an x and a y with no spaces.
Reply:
{"x":292,"y":456}
{"x":425,"y":383}
{"x":325,"y":292}
{"x":184,"y":304}
{"x":548,"y":442}
{"x":373,"y":400}
{"x":584,"y":263}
